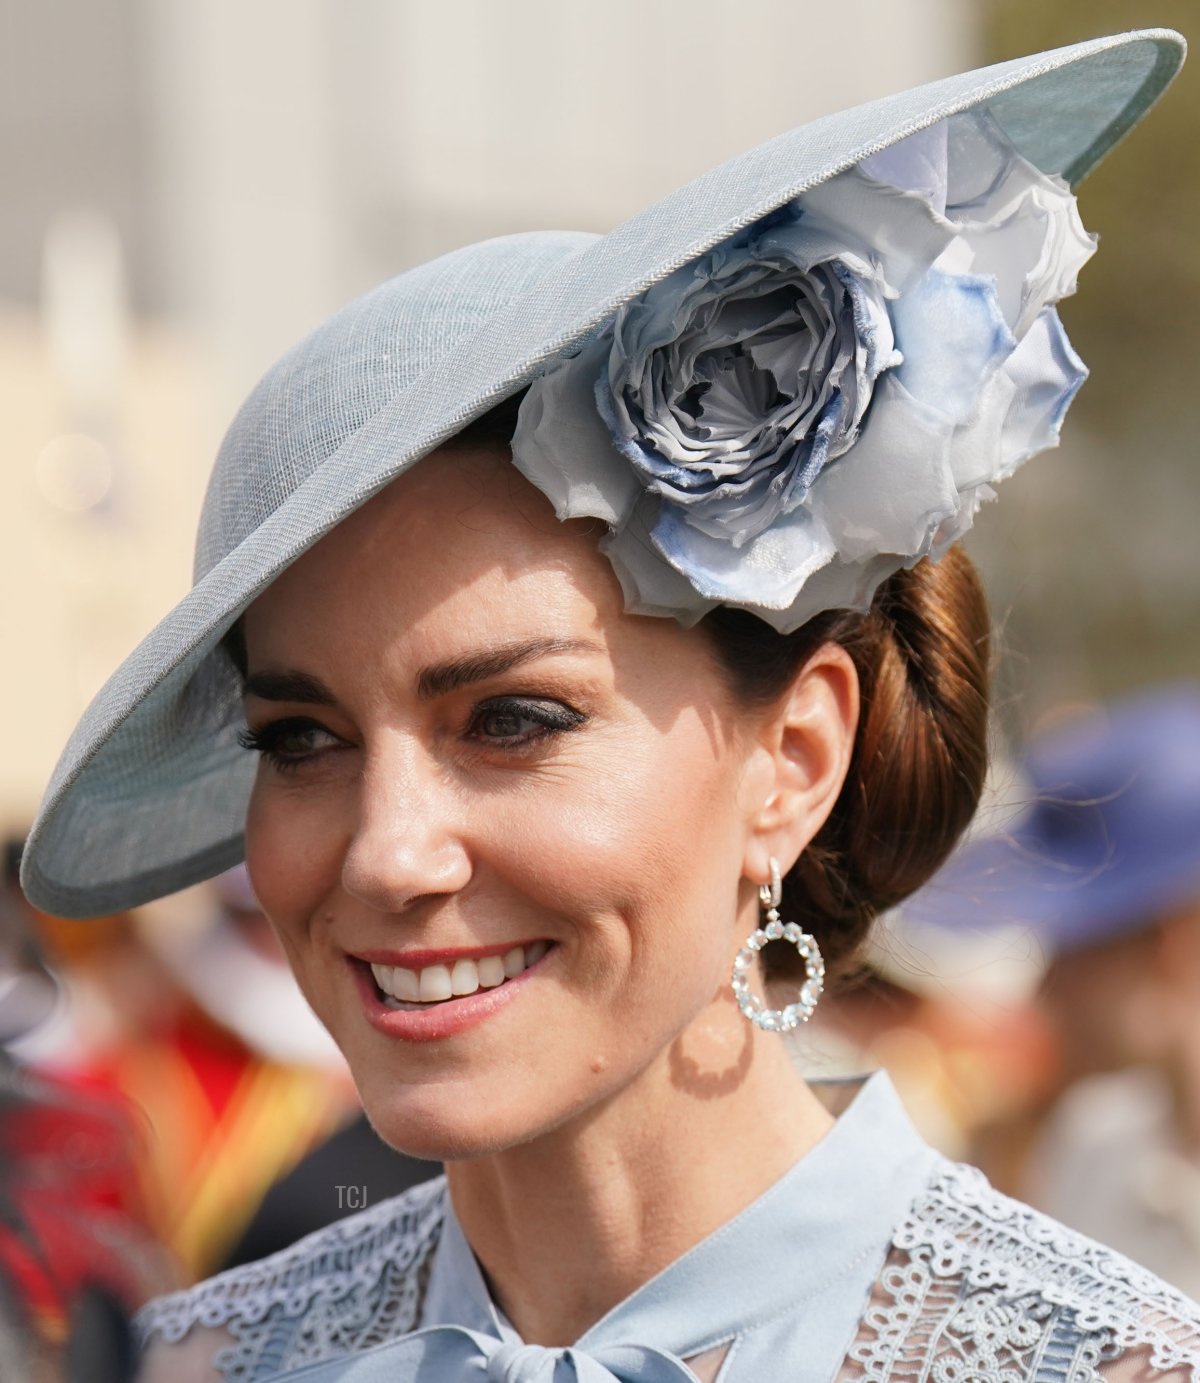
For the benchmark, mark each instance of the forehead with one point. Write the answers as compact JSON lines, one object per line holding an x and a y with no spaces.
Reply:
{"x":459,"y":546}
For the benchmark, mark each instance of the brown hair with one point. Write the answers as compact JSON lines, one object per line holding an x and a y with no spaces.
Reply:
{"x":920,"y":751}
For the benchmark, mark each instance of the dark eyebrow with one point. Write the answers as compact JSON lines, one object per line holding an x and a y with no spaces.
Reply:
{"x":288,"y":686}
{"x":442,"y":678}
{"x":435,"y":680}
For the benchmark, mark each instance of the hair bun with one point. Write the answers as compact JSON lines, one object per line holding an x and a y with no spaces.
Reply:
{"x":921,"y":750}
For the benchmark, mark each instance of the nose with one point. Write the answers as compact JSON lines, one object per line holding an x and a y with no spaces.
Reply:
{"x":408,"y":841}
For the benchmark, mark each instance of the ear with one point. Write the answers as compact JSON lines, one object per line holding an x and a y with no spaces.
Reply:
{"x":805,"y":743}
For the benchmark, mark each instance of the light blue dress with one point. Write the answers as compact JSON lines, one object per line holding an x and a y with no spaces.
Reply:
{"x":874,"y":1259}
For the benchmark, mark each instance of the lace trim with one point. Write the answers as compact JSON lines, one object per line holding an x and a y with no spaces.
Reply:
{"x":350,"y":1285}
{"x":981,"y":1289}
{"x":977,"y":1288}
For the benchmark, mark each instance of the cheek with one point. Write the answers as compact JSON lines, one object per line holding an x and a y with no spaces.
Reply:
{"x":292,"y":853}
{"x":645,"y":860}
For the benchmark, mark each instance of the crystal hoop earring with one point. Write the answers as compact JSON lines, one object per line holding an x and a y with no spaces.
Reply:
{"x":752,"y":1007}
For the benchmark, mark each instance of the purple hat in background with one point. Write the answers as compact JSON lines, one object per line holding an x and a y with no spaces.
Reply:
{"x":1110,"y":838}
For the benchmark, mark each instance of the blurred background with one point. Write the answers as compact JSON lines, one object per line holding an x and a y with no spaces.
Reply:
{"x":189,"y":187}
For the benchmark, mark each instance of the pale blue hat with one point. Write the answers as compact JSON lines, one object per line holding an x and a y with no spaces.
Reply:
{"x":150,"y":793}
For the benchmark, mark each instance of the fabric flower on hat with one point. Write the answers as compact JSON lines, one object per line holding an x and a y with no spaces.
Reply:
{"x":829,"y":394}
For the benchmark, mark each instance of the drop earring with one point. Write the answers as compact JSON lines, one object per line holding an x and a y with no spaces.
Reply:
{"x":752,"y":1007}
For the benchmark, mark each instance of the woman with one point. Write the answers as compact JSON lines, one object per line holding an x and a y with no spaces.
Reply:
{"x":585,"y":745}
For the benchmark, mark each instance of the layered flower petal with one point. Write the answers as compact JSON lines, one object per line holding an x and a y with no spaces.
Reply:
{"x":562,"y":446}
{"x":839,"y":585}
{"x":1046,"y":375}
{"x":744,"y":376}
{"x":896,"y":487}
{"x":650,"y":585}
{"x":953,"y":338}
{"x":768,"y":572}
{"x":1022,"y":227}
{"x":897,"y":229}
{"x":917,"y":164}
{"x":830,"y":394}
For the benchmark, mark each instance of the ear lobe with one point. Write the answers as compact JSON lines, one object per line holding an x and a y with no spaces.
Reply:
{"x":808,"y":741}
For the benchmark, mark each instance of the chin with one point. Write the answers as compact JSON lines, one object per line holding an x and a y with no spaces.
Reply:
{"x":443,"y":1123}
{"x":457,"y":1121}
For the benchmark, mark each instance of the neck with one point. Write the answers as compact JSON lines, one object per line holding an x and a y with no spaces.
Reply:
{"x":570,"y":1224}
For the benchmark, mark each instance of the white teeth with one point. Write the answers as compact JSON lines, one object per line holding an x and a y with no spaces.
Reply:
{"x":436,"y":983}
{"x":464,"y":978}
{"x":491,"y":971}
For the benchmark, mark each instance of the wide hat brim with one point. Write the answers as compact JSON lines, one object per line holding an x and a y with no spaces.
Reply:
{"x":149,"y":795}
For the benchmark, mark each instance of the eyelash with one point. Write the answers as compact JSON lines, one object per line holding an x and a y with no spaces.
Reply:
{"x":549,"y":718}
{"x":269,"y":741}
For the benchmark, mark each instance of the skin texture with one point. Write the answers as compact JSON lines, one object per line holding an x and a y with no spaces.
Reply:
{"x":619,"y":1108}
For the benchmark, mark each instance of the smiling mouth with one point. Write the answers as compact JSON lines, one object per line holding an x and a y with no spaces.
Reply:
{"x":413,"y":991}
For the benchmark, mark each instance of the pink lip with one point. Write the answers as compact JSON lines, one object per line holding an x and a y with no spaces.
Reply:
{"x":446,"y":1019}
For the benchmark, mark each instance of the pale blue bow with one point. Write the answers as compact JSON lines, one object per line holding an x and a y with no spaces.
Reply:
{"x":803,"y":1255}
{"x":453,"y":1354}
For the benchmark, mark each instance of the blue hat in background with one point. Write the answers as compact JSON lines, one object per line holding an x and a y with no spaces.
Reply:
{"x":1110,"y":838}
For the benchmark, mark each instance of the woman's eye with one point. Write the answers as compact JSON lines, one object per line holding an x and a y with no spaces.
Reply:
{"x":504,"y":725}
{"x":289,"y":743}
{"x":517,"y":721}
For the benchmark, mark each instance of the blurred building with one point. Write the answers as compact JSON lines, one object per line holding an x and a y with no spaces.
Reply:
{"x":1090,"y":557}
{"x":190,"y":187}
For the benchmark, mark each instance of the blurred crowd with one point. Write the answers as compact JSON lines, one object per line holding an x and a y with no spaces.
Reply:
{"x":162,"y":1087}
{"x":169,"y":1106}
{"x":1038,"y":1002}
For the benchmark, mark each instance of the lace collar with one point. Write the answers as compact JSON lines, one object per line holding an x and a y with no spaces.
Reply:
{"x":816,"y":1235}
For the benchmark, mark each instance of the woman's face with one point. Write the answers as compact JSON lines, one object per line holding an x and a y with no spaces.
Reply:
{"x":479,"y":774}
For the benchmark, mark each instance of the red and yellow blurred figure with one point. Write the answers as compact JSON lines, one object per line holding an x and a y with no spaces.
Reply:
{"x":187,"y":1014}
{"x":77,"y":1251}
{"x":72,"y":1215}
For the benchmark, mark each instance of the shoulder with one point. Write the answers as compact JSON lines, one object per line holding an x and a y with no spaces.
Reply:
{"x":1002,"y":1293}
{"x":346,"y":1286}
